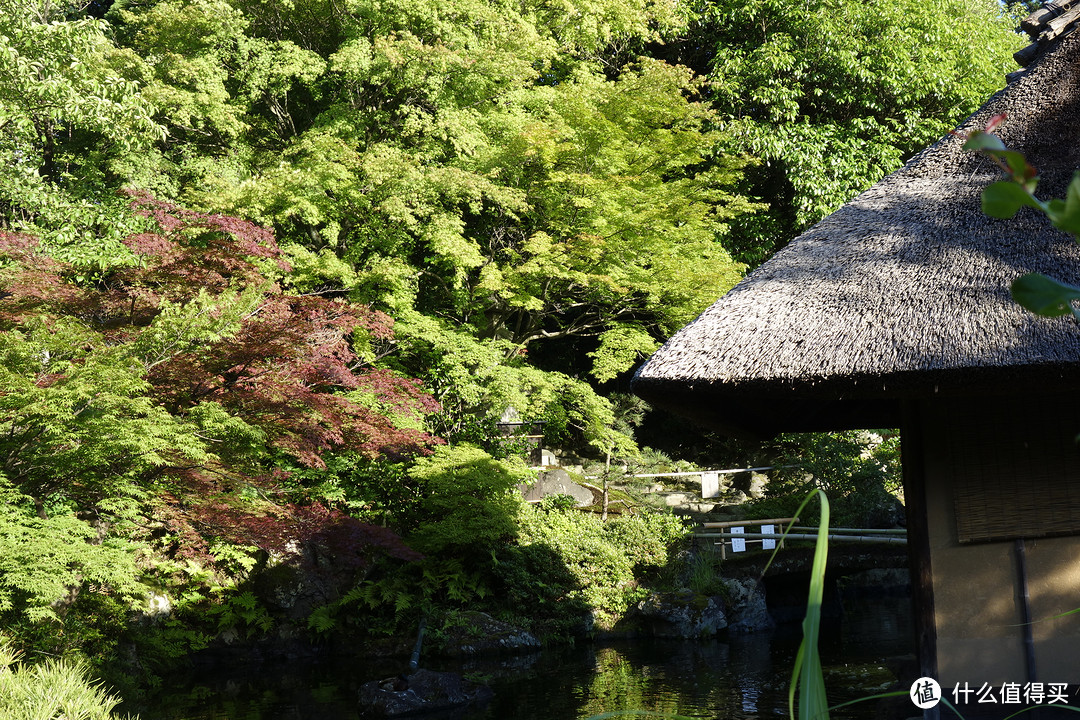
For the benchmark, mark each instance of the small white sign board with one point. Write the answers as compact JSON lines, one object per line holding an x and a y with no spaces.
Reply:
{"x":737,"y":544}
{"x":710,"y":485}
{"x":768,"y":543}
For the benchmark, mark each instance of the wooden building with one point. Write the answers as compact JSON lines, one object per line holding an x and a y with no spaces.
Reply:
{"x":895,"y":312}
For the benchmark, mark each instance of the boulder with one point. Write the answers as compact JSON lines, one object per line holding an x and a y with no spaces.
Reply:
{"x":423,"y":692}
{"x":682,"y":614}
{"x":747,"y":611}
{"x":556,"y":481}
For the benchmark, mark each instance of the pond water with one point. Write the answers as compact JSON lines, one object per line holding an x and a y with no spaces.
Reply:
{"x":736,"y":678}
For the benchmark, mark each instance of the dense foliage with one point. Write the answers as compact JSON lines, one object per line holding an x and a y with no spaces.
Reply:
{"x":859,"y":471}
{"x":607,"y":561}
{"x":833,"y":95}
{"x":271,"y":273}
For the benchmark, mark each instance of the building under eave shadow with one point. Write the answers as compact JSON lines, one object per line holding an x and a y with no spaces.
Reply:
{"x":895,"y":312}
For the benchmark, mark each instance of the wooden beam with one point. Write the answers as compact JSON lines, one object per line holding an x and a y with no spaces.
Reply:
{"x":913,"y":460}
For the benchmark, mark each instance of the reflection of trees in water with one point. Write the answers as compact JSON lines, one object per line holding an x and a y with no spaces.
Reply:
{"x":620,"y":683}
{"x":737,"y":678}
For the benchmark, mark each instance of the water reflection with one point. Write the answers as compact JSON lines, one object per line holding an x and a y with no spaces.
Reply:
{"x":737,"y":678}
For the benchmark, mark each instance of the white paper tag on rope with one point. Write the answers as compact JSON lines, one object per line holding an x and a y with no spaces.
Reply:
{"x":768,"y":543}
{"x":737,"y":544}
{"x":710,"y":485}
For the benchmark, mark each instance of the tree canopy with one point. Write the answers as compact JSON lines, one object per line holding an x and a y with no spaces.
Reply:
{"x":834,"y":95}
{"x":271,"y":271}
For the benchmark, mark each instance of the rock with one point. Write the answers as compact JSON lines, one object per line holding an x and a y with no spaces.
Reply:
{"x":887,"y":513}
{"x":736,"y":497}
{"x":159,"y":606}
{"x":758,"y":483}
{"x":675,"y":499}
{"x":556,"y":481}
{"x":683,"y":614}
{"x":473,"y":633}
{"x":747,"y":611}
{"x":425,"y":691}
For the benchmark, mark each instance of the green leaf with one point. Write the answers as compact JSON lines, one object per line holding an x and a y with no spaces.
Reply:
{"x":1069,"y":217}
{"x":984,"y":141}
{"x":807,"y":678}
{"x":1045,"y":296}
{"x":1004,"y":198}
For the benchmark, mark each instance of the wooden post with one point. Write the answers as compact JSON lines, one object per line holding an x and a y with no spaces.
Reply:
{"x":922,"y":580}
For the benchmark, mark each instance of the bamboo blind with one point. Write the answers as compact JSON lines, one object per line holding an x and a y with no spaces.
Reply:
{"x":1016,"y":469}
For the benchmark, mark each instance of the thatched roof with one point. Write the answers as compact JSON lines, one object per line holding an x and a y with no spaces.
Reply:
{"x":902,"y":293}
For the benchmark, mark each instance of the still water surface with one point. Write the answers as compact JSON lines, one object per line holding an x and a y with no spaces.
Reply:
{"x":737,"y":678}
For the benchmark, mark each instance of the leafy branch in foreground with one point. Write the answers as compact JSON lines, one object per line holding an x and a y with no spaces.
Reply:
{"x":1036,"y":292}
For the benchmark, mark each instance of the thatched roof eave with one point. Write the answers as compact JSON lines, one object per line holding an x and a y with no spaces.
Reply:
{"x":901,"y":294}
{"x":819,"y":404}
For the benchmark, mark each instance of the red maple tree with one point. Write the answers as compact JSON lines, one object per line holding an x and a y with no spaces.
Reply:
{"x":287,"y":368}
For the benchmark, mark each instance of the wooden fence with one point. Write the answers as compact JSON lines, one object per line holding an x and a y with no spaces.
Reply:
{"x":733,"y":534}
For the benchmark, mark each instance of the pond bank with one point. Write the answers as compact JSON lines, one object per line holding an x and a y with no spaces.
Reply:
{"x":734,"y":676}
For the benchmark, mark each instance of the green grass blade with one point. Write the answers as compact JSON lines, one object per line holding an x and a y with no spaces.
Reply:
{"x":807,"y":674}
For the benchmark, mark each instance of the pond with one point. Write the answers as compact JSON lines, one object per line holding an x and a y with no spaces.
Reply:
{"x":736,"y":678}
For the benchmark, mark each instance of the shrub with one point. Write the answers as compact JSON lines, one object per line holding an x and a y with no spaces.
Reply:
{"x":606,"y":561}
{"x":51,"y":689}
{"x":469,"y":499}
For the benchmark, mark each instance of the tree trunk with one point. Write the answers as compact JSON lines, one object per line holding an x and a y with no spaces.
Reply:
{"x":604,"y":501}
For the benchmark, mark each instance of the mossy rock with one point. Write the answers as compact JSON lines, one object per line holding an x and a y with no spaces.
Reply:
{"x":470,"y":632}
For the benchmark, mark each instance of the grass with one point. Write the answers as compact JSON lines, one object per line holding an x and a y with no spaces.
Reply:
{"x":50,"y":690}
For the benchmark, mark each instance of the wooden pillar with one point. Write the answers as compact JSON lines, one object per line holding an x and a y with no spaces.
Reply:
{"x":922,"y":584}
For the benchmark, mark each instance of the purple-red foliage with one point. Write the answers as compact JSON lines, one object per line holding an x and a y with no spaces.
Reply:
{"x":205,"y":248}
{"x":286,"y":370}
{"x":31,"y":281}
{"x":345,"y":538}
{"x":282,"y":370}
{"x":294,"y":531}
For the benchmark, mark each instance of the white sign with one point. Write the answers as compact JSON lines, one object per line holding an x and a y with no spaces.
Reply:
{"x":710,"y":484}
{"x":768,"y":543}
{"x":737,"y":544}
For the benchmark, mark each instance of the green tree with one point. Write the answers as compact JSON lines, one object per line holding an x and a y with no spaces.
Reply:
{"x":476,"y":380}
{"x":833,"y":95}
{"x":479,"y":162}
{"x":858,"y":469}
{"x":626,"y":197}
{"x":72,"y":122}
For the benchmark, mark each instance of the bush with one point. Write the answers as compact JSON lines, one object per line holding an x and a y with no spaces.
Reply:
{"x":51,"y":689}
{"x":605,"y":562}
{"x":469,"y":500}
{"x":860,"y":471}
